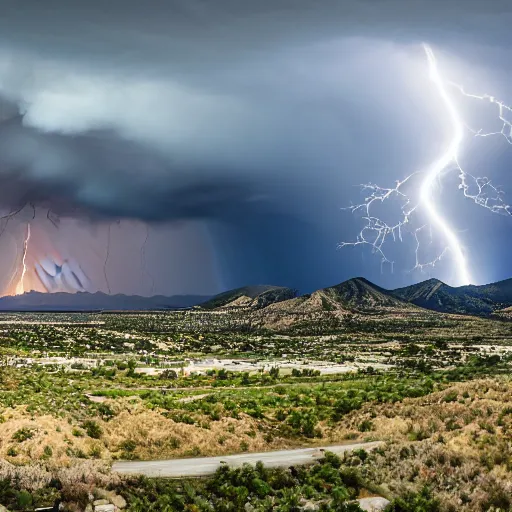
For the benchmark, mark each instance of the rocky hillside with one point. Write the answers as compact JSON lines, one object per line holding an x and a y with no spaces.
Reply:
{"x":362,"y":296}
{"x":468,"y":300}
{"x":256,"y":297}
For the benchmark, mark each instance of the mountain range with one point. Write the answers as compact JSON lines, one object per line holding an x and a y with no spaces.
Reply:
{"x":358,"y":295}
{"x":482,"y":300}
{"x":84,"y":301}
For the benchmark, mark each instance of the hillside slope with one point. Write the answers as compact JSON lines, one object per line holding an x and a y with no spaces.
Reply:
{"x":362,"y":296}
{"x":258,"y":296}
{"x":468,"y":300}
{"x":355,"y":296}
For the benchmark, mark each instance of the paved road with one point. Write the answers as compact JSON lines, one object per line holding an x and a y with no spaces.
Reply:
{"x":203,"y":466}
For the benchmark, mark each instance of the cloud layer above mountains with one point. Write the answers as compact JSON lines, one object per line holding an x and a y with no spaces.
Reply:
{"x":259,"y":118}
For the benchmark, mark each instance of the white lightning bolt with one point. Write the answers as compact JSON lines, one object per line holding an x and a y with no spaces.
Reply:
{"x":449,"y":157}
{"x":376,"y":231}
{"x":20,"y":287}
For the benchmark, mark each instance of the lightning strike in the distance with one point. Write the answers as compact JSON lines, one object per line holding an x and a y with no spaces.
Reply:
{"x":376,"y":231}
{"x":20,"y":289}
{"x":448,"y":158}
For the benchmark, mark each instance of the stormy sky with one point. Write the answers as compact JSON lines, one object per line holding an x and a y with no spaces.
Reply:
{"x":235,"y":133}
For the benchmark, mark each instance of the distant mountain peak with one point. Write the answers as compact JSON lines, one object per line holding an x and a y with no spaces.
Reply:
{"x":433,"y":280}
{"x":256,"y":296}
{"x":359,"y":294}
{"x":480,"y":300}
{"x":360,"y":280}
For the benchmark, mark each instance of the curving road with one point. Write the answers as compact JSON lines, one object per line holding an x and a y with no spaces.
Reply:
{"x":203,"y":466}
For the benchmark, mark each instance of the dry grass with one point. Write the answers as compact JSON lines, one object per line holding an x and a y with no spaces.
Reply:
{"x":78,"y":480}
{"x":46,"y":431}
{"x":158,"y":437}
{"x":150,"y":434}
{"x":458,"y":442}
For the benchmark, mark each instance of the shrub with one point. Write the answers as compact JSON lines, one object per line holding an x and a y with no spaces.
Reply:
{"x":92,"y":428}
{"x":24,"y":499}
{"x":422,"y":501}
{"x":451,"y":396}
{"x":361,"y":454}
{"x":95,"y":451}
{"x":365,"y":426}
{"x":280,"y":415}
{"x":128,"y":445}
{"x":169,"y":374}
{"x":77,"y":432}
{"x":274,"y":372}
{"x":304,"y":422}
{"x":105,"y":411}
{"x":332,"y":459}
{"x":174,"y":442}
{"x":23,"y":434}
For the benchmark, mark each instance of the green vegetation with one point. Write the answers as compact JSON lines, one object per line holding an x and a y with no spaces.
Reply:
{"x":23,"y":434}
{"x":327,"y":484}
{"x":87,"y":389}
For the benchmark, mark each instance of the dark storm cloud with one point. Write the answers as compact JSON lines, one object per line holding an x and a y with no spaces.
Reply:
{"x":130,"y":102}
{"x":99,"y":174}
{"x":263,"y":115}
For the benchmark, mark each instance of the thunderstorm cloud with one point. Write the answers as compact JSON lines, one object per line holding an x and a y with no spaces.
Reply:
{"x":258,"y":119}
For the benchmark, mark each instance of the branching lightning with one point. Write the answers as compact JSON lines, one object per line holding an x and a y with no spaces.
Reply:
{"x":376,"y":231}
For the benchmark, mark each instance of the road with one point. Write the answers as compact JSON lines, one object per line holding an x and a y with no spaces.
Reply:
{"x":203,"y":466}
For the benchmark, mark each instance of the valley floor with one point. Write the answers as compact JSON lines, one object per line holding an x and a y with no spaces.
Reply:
{"x":81,"y":392}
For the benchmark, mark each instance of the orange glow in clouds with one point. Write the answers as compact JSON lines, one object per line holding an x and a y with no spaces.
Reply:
{"x":40,"y":267}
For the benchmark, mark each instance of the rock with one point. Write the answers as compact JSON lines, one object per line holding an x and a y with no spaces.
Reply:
{"x":105,"y":508}
{"x":118,"y":501}
{"x":89,"y":508}
{"x":98,"y":503}
{"x":375,"y":504}
{"x":101,"y":494}
{"x":309,"y":506}
{"x":111,"y":497}
{"x":3,"y":509}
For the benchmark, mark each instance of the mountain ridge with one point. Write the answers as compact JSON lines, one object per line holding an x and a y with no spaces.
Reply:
{"x":86,"y":301}
{"x":356,"y":295}
{"x":478,"y":300}
{"x":256,"y":296}
{"x":359,"y":295}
